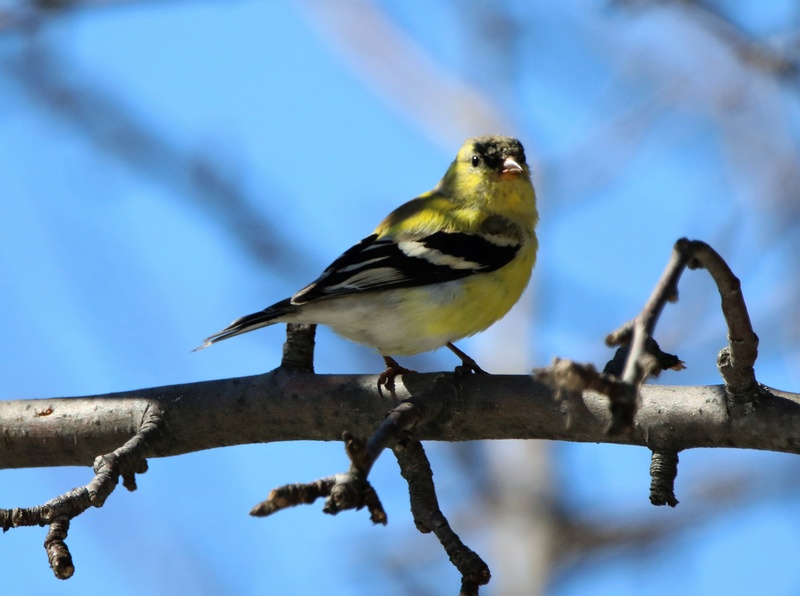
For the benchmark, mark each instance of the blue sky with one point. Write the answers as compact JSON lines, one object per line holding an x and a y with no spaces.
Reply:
{"x":113,"y":268}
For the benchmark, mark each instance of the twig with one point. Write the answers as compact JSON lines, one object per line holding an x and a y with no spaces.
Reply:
{"x":298,"y":350}
{"x":641,"y":362}
{"x":645,"y":358}
{"x":350,"y":490}
{"x":642,"y":357}
{"x":58,"y":554}
{"x":428,"y":517}
{"x":736,"y":361}
{"x":124,"y":462}
{"x":663,"y":471}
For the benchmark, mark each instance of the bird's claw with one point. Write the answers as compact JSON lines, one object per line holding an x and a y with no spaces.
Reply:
{"x":468,"y":365}
{"x":466,"y":368}
{"x":393,"y":369}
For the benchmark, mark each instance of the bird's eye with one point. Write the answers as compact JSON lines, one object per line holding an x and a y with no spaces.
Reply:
{"x":476,"y":161}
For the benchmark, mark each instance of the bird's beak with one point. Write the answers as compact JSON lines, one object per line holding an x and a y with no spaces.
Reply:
{"x":511,"y":169}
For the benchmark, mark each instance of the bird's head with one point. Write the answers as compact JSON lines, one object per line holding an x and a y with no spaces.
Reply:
{"x":491,"y":172}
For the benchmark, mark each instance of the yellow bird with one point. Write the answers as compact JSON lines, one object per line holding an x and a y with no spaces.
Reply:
{"x":439,"y":268}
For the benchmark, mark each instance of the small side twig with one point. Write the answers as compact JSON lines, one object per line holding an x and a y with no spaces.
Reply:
{"x":349,"y":490}
{"x":428,"y":517}
{"x":298,"y":350}
{"x":58,"y":554}
{"x":570,"y":379}
{"x":641,"y":363}
{"x":736,"y":361}
{"x":640,"y":357}
{"x":663,"y":471}
{"x":125,"y":462}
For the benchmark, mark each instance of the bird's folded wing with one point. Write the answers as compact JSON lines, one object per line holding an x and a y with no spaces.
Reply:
{"x":382,"y":263}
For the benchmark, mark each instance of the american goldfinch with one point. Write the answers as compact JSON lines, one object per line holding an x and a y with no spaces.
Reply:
{"x":439,"y":268}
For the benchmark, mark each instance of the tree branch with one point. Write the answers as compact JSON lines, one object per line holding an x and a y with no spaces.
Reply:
{"x":280,"y":406}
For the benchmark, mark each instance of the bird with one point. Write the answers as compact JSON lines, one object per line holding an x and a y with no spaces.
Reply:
{"x":441,"y":267}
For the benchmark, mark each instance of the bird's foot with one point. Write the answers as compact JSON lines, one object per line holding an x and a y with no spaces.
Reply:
{"x":468,"y":365}
{"x":393,"y":369}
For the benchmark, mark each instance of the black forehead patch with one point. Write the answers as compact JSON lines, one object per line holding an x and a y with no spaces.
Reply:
{"x":495,"y":149}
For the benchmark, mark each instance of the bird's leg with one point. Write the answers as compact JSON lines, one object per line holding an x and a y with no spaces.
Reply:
{"x":467,"y":363}
{"x":392,"y":370}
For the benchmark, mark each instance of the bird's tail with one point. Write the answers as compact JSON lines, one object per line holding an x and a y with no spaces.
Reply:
{"x":268,"y":316}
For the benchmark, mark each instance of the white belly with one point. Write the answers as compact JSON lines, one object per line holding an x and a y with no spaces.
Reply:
{"x":394,"y":323}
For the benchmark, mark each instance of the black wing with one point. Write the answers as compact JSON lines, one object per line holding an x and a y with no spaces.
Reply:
{"x":379,"y":264}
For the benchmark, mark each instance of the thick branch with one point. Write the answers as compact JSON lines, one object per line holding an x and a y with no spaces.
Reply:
{"x":281,"y":407}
